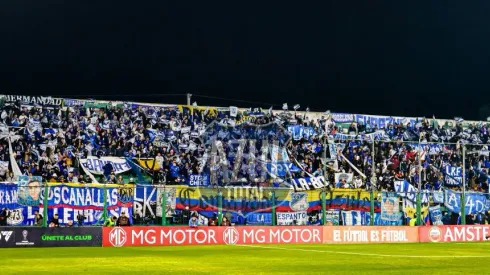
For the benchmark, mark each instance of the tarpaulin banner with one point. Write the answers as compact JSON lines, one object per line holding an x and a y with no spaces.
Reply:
{"x":69,"y":199}
{"x":454,"y":233}
{"x":475,"y":202}
{"x":351,"y":199}
{"x":176,"y":235}
{"x":198,"y":180}
{"x":370,"y":234}
{"x":149,"y":163}
{"x":435,"y":215}
{"x":453,"y":176}
{"x":356,"y":217}
{"x":34,"y":100}
{"x":300,"y":131}
{"x":96,"y":165}
{"x":390,"y":209}
{"x":409,"y":193}
{"x":50,"y":237}
{"x":342,"y":118}
{"x":304,"y":184}
{"x":21,"y":200}
{"x":332,"y":217}
{"x":259,"y":219}
{"x":383,"y":121}
{"x":145,"y":201}
{"x":247,"y":199}
{"x":292,"y":218}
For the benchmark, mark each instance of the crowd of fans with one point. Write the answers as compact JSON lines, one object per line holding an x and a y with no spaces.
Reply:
{"x":53,"y":140}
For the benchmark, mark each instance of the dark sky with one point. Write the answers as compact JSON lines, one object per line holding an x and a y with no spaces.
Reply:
{"x":375,"y":57}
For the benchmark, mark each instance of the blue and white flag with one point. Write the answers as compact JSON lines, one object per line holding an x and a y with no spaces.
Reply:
{"x":259,"y":219}
{"x":409,"y":193}
{"x":66,"y":200}
{"x":292,"y":218}
{"x":435,"y":215}
{"x":281,"y":169}
{"x":95,"y":165}
{"x":390,"y":209}
{"x":198,"y":180}
{"x":475,"y":202}
{"x":453,"y":176}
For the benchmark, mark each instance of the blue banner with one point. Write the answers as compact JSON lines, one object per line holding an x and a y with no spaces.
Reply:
{"x":475,"y":202}
{"x":145,"y":201}
{"x":198,"y":180}
{"x":438,"y":196}
{"x":282,"y":169}
{"x":407,"y":191}
{"x":66,"y":200}
{"x":382,"y":121}
{"x":300,"y":131}
{"x":259,"y":219}
{"x":453,"y":175}
{"x":390,"y":209}
{"x":435,"y":215}
{"x":351,"y":218}
{"x":342,"y":118}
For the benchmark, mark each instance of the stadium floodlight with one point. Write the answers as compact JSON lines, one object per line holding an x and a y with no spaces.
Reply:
{"x":296,"y":107}
{"x":285,"y":106}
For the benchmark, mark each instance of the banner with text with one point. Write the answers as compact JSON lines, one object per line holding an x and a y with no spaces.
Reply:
{"x":176,"y":235}
{"x":370,"y":234}
{"x":454,"y":233}
{"x":96,"y":165}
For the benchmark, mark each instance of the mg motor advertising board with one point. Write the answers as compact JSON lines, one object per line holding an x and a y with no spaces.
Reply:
{"x":370,"y":234}
{"x":454,"y":233}
{"x":175,"y":235}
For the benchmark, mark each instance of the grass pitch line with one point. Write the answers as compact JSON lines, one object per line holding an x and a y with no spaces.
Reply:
{"x":365,"y":254}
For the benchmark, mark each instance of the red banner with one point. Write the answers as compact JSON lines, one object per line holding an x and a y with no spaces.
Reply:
{"x":454,"y":233}
{"x":370,"y":234}
{"x":176,"y":235}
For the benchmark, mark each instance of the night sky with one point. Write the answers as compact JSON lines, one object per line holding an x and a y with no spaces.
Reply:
{"x":373,"y":57}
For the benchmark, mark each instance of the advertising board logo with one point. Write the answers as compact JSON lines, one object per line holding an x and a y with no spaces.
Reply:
{"x":230,"y":235}
{"x":6,"y":235}
{"x":117,"y":237}
{"x":25,"y":240}
{"x":435,"y":234}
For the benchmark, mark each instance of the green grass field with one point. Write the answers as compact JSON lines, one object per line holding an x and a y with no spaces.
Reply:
{"x":445,"y":258}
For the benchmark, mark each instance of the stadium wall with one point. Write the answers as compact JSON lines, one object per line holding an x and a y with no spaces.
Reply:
{"x":11,"y":237}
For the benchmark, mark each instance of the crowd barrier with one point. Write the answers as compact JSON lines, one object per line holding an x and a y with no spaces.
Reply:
{"x":238,"y":235}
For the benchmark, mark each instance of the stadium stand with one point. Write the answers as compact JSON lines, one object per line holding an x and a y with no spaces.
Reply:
{"x":58,"y":139}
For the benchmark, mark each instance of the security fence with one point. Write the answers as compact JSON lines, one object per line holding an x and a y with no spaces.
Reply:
{"x":69,"y":204}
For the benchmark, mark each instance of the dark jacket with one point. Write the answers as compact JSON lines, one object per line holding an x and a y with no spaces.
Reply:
{"x":123,"y":221}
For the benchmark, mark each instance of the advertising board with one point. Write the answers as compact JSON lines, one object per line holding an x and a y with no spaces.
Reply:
{"x":50,"y":237}
{"x":370,"y":234}
{"x":454,"y":233}
{"x":175,"y":235}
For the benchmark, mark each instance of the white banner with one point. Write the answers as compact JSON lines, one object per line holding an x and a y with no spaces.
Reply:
{"x":347,"y":176}
{"x":4,"y":167}
{"x":288,"y":218}
{"x":233,"y":111}
{"x":95,"y":165}
{"x":171,"y":201}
